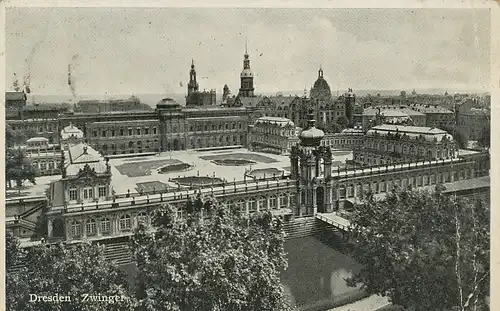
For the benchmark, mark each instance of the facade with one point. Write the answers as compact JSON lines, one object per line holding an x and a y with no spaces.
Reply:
{"x":40,"y":127}
{"x":387,"y":144}
{"x":194,"y":96}
{"x":473,"y":121}
{"x":15,"y":101}
{"x":272,"y":134}
{"x":372,"y":116}
{"x":436,"y":116}
{"x":71,"y":135}
{"x":44,"y":157}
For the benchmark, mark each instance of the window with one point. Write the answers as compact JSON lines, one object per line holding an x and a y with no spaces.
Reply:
{"x":43,"y":166}
{"x":94,"y":133}
{"x":76,"y":228}
{"x":252,"y":206}
{"x":121,"y":132}
{"x":272,"y":202}
{"x":112,"y":133}
{"x":283,"y":201}
{"x":73,"y":193}
{"x":142,"y":217}
{"x":102,"y":191}
{"x":105,"y":225}
{"x":103,"y":134}
{"x":129,"y":132}
{"x":51,"y":165}
{"x":90,"y":227}
{"x":262,"y":203}
{"x":125,"y":222}
{"x":138,"y":131}
{"x":146,"y":131}
{"x":88,"y":193}
{"x":179,"y":213}
{"x":154,"y":131}
{"x":342,"y":192}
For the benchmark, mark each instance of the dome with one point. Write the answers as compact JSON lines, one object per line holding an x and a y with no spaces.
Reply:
{"x":246,"y":73}
{"x":311,"y":136}
{"x":321,"y":89}
{"x":167,"y":103}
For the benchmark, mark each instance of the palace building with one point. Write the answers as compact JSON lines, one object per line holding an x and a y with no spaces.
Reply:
{"x":389,"y":143}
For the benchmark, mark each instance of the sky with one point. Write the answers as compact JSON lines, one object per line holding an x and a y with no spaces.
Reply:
{"x":149,"y":50}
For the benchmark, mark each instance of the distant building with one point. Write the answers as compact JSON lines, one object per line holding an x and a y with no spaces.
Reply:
{"x":98,"y":106}
{"x":44,"y":157}
{"x":15,"y":101}
{"x":473,"y":122}
{"x":386,"y":144}
{"x":71,"y":135}
{"x":436,"y":116}
{"x":195,"y":97}
{"x":246,"y":78}
{"x":273,"y":135}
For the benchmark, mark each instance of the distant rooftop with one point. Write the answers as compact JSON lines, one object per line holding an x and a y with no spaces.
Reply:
{"x":413,"y":131}
{"x":15,"y":96}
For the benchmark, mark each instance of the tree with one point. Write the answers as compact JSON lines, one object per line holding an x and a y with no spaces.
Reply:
{"x":18,"y":168}
{"x":333,"y":128}
{"x":13,"y":137}
{"x":65,"y":270}
{"x":226,"y":261}
{"x":342,"y":122}
{"x":423,"y":250}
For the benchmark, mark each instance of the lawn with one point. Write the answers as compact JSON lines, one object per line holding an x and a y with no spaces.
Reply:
{"x":240,"y":156}
{"x":143,"y":168}
{"x":150,"y":186}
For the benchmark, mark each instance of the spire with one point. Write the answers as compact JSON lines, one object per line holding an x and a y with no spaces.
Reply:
{"x":320,"y":72}
{"x":192,"y":63}
{"x":246,"y":47}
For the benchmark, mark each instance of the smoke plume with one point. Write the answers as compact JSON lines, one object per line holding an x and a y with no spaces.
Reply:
{"x":72,"y":68}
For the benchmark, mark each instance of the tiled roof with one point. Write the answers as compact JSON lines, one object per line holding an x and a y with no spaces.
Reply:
{"x":82,"y":155}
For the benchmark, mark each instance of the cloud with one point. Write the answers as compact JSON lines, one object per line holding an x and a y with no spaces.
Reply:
{"x":148,"y":50}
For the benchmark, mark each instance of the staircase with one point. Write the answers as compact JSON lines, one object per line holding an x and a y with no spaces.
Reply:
{"x":119,"y":253}
{"x":303,"y":227}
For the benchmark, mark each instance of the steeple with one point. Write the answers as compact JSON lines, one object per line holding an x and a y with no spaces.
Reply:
{"x":246,"y":77}
{"x":193,"y":84}
{"x":320,"y":73}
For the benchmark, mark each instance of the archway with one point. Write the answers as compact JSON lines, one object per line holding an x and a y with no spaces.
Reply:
{"x":176,"y":144}
{"x":58,"y":228}
{"x":320,"y":200}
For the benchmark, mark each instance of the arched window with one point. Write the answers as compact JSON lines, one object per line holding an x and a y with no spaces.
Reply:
{"x":91,"y":227}
{"x":240,"y":205}
{"x":272,"y":202}
{"x":105,"y":225}
{"x":383,"y":186}
{"x":125,"y":222}
{"x":76,"y":228}
{"x":142,"y":217}
{"x":252,"y":206}
{"x":359,"y":190}
{"x":350,"y":191}
{"x":262,"y":203}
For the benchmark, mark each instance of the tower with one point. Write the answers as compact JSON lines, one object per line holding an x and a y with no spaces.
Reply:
{"x":246,"y":77}
{"x":350,"y":101}
{"x":192,"y":85}
{"x":311,"y":166}
{"x":225,"y":93}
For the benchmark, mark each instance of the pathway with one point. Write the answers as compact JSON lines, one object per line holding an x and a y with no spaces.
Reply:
{"x":371,"y":303}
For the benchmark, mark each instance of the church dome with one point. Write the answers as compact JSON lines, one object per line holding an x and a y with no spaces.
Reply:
{"x":321,"y":89}
{"x":311,"y":136}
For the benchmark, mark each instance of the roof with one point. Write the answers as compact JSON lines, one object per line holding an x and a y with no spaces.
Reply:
{"x":276,"y":120}
{"x":429,"y":108}
{"x":413,"y":131}
{"x":37,"y":139}
{"x":467,"y":184}
{"x":15,"y":96}
{"x":81,"y":155}
{"x":392,"y":111}
{"x":71,"y":131}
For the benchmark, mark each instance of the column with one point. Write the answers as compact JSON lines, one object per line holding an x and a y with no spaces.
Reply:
{"x":84,"y":228}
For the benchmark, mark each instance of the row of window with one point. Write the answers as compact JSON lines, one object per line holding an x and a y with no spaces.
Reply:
{"x":126,"y":132}
{"x":415,"y":181}
{"x":42,"y":165}
{"x":213,"y":141}
{"x":220,"y":127}
{"x":273,"y":131}
{"x":91,"y":225}
{"x":262,"y":203}
{"x":86,"y":193}
{"x":270,"y":140}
